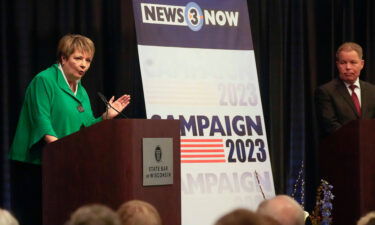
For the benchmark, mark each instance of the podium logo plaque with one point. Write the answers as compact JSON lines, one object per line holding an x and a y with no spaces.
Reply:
{"x":157,"y":161}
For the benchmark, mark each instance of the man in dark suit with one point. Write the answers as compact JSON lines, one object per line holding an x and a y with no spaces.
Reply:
{"x":346,"y":98}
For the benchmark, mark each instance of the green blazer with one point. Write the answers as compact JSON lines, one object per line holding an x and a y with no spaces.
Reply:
{"x":50,"y":107}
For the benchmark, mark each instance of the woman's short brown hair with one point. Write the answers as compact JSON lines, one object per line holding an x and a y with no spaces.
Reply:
{"x":71,"y":42}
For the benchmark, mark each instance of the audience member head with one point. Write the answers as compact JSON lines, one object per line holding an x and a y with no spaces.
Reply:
{"x":368,"y":219}
{"x":6,"y":218}
{"x":245,"y":217}
{"x":95,"y":214}
{"x":283,"y":209}
{"x":136,"y":212}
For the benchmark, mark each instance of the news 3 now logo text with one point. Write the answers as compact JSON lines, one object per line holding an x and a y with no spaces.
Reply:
{"x":190,"y":15}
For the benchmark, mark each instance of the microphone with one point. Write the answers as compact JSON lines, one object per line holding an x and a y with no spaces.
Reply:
{"x":104,"y":99}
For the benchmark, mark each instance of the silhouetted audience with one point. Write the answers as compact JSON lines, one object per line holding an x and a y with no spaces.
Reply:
{"x":6,"y":218}
{"x":137,"y":212}
{"x":283,"y":209}
{"x":95,"y":214}
{"x":245,"y":217}
{"x":368,"y":219}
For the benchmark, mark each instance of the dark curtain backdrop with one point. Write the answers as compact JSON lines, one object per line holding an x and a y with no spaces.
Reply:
{"x":294,"y":42}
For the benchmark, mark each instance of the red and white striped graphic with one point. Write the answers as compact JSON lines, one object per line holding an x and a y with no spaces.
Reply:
{"x":202,"y":151}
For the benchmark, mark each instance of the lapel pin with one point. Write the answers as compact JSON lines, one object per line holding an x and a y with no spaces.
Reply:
{"x":80,"y":108}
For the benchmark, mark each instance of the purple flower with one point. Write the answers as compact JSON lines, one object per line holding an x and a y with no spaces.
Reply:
{"x":323,"y":207}
{"x":326,"y":213}
{"x":327,"y":205}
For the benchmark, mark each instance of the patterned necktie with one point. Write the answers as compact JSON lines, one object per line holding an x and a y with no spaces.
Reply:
{"x":355,"y":99}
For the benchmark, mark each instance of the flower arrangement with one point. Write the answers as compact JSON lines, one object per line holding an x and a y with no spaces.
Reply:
{"x":323,"y":205}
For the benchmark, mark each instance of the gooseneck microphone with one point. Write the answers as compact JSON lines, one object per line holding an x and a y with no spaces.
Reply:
{"x":104,"y":99}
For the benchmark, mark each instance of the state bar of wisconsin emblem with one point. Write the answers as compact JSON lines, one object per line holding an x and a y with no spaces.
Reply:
{"x":157,"y":160}
{"x":158,"y":153}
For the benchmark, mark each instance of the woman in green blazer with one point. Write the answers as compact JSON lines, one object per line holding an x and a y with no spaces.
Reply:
{"x":56,"y":105}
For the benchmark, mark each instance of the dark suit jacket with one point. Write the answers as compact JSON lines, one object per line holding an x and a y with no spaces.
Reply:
{"x":335,"y":107}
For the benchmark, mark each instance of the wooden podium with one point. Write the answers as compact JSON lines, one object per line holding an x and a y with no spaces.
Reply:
{"x":103,"y":164}
{"x":347,"y":160}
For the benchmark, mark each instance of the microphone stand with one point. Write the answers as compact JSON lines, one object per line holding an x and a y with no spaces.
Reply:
{"x":103,"y":98}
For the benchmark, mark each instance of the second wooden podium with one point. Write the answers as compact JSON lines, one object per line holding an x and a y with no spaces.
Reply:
{"x":347,"y":159}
